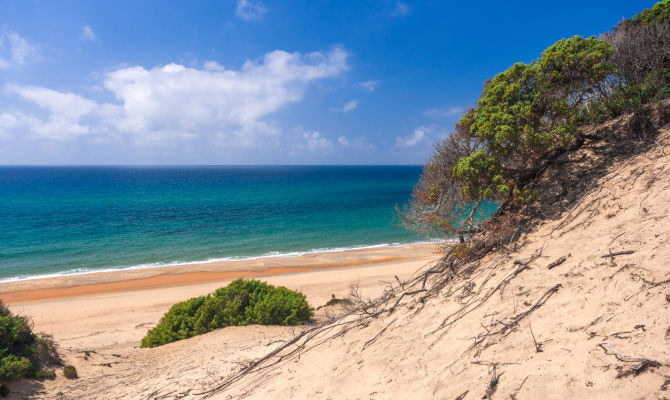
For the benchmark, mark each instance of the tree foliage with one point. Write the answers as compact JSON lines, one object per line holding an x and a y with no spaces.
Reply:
{"x":531,"y":113}
{"x":641,"y":57}
{"x":529,"y":110}
{"x":660,"y":12}
{"x":242,"y":302}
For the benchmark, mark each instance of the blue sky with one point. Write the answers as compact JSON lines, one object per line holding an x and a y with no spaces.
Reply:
{"x":260,"y":82}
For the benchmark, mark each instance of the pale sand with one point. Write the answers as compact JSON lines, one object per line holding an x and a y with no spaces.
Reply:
{"x":109,"y":313}
{"x":134,"y":279}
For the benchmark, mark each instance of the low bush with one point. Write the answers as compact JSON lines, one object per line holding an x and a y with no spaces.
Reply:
{"x":21,"y":351}
{"x":45,"y":374}
{"x":70,"y":372}
{"x":242,"y":302}
{"x":335,"y":301}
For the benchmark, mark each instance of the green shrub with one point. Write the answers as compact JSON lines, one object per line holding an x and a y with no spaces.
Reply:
{"x":21,"y":351}
{"x":70,"y":372}
{"x":14,"y":367}
{"x":45,"y":374}
{"x":242,"y":302}
{"x":335,"y":301}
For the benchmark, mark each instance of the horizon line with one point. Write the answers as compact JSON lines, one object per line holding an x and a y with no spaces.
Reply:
{"x":210,"y":165}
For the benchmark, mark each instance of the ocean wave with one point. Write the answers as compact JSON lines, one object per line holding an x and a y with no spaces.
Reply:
{"x":86,"y":271}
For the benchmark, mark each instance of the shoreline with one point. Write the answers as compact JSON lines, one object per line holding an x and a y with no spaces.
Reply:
{"x":66,"y":286}
{"x":74,"y":272}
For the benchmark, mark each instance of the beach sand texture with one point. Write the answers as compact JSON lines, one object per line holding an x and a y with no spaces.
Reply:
{"x":99,"y":319}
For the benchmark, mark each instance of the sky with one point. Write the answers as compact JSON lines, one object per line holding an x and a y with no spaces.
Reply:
{"x":260,"y":81}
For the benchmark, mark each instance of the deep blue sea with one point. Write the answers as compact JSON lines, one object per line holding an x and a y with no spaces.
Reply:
{"x":62,"y":220}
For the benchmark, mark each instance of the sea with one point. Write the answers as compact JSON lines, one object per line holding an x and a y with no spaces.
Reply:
{"x":73,"y":220}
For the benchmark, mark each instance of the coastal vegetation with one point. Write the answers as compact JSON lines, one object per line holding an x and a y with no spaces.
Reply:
{"x":70,"y":372}
{"x":22,"y":353}
{"x":531,"y":114}
{"x":242,"y":302}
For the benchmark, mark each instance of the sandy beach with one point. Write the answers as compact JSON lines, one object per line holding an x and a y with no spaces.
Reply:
{"x":116,"y":308}
{"x":31,"y":290}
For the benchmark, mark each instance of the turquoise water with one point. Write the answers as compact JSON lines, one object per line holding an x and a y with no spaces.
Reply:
{"x":61,"y":220}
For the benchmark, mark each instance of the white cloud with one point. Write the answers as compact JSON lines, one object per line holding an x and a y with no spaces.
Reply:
{"x":350,"y":106}
{"x":65,"y":111}
{"x":15,"y":51}
{"x":411,"y":140}
{"x":250,"y":10}
{"x":177,"y":102}
{"x":8,"y":123}
{"x":87,"y":33}
{"x":401,"y":10}
{"x":346,"y":107}
{"x":422,"y":134}
{"x":359,"y":143}
{"x":313,"y":141}
{"x":446,"y":112}
{"x":213,"y":66}
{"x":370,"y":86}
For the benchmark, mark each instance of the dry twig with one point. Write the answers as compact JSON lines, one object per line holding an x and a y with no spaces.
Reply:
{"x":617,"y":253}
{"x":557,"y":262}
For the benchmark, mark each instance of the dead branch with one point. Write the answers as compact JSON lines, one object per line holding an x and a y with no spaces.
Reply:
{"x":617,"y":354}
{"x":538,"y":346}
{"x":377,"y":336}
{"x":493,"y":384}
{"x":490,"y":364}
{"x":401,"y":284}
{"x":651,"y":284}
{"x":617,"y":253}
{"x":402,"y":296}
{"x":638,"y":368}
{"x":512,"y":396}
{"x":466,"y":310}
{"x":462,"y":395}
{"x":481,"y":340}
{"x":557,"y":262}
{"x":653,"y":179}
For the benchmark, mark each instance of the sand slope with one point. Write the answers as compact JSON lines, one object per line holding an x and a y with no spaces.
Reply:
{"x":447,"y":347}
